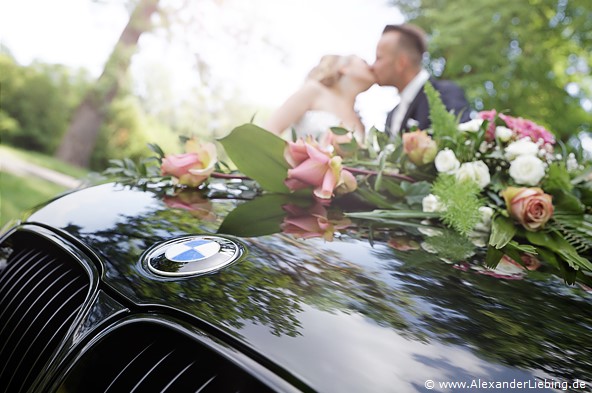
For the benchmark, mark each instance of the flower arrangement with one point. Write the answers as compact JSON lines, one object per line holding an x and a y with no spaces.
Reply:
{"x":500,"y":183}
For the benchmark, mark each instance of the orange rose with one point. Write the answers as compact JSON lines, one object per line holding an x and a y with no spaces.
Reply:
{"x":419,"y":147}
{"x":192,"y":201}
{"x":530,"y":206}
{"x":312,"y":222}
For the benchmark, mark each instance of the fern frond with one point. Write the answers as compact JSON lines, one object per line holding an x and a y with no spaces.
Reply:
{"x":444,"y":125}
{"x":576,"y":229}
{"x":461,"y":200}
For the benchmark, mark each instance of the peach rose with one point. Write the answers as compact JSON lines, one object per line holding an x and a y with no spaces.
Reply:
{"x":312,"y":222}
{"x":419,"y":147}
{"x":192,"y":201}
{"x":193,"y":167}
{"x":403,"y":243}
{"x":530,"y":206}
{"x":314,"y":167}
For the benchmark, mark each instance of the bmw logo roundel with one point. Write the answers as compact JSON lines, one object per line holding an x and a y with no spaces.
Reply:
{"x":193,"y":255}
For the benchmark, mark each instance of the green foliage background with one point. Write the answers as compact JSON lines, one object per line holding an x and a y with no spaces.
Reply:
{"x":521,"y":56}
{"x":37,"y":102}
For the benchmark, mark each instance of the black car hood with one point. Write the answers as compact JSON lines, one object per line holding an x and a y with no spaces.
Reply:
{"x":347,"y":315}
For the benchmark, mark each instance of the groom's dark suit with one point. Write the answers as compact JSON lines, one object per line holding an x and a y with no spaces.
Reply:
{"x":452,"y":96}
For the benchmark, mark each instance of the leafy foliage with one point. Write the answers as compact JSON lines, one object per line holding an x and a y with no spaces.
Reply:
{"x":37,"y":103}
{"x":513,"y":54}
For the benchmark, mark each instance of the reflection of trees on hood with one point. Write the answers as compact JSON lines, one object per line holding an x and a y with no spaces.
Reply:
{"x":527,"y":323}
{"x":246,"y":291}
{"x":267,"y":287}
{"x":330,"y":283}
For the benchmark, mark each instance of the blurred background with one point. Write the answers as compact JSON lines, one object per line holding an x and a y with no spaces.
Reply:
{"x":85,"y":81}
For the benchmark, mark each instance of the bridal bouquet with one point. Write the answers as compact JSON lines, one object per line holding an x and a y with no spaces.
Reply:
{"x":500,"y":183}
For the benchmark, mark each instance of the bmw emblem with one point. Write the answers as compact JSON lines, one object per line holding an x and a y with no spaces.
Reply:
{"x":193,"y":255}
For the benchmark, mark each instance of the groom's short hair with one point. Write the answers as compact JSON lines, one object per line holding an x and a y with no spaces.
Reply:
{"x":412,"y":38}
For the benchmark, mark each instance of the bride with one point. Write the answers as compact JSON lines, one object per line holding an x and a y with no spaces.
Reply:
{"x":325,"y":99}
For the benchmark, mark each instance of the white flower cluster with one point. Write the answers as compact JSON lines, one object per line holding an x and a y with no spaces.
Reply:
{"x":446,"y":162}
{"x":528,"y":160}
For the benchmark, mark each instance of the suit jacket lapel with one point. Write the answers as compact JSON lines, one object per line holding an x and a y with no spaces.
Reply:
{"x":412,"y":107}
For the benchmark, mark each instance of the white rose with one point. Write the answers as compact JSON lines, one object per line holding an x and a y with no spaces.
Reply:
{"x":485,"y":224}
{"x":523,"y":147}
{"x":446,"y":161}
{"x":476,"y":171}
{"x":431,"y":203}
{"x":503,"y":133}
{"x":471,"y":125}
{"x":527,"y":170}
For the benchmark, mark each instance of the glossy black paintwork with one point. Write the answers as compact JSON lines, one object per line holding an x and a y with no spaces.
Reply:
{"x":343,"y":315}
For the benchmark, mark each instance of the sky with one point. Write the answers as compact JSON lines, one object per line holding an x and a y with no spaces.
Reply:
{"x":82,"y":33}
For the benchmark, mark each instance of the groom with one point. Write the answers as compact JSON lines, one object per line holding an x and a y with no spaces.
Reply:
{"x":398,"y":63}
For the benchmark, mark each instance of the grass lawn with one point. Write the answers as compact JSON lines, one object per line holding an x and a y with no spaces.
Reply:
{"x":20,"y":193}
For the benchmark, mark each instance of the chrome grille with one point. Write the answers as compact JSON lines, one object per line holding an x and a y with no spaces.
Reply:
{"x":149,"y":357}
{"x":42,"y":289}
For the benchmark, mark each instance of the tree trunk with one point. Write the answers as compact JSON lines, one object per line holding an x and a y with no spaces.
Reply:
{"x":80,"y":138}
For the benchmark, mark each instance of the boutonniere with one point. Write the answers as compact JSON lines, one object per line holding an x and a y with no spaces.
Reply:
{"x":412,"y":124}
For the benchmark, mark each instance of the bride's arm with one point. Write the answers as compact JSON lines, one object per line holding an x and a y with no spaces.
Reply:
{"x":293,"y":108}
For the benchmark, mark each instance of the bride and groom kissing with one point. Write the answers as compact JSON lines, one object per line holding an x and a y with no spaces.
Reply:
{"x":327,"y":96}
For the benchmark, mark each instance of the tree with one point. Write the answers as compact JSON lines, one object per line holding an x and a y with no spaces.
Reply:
{"x":530,"y":58}
{"x":37,"y":102}
{"x":80,"y":138}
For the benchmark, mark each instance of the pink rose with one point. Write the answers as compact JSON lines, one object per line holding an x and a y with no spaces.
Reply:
{"x":419,"y":147}
{"x":194,"y":203}
{"x":193,"y":167}
{"x":312,"y":222}
{"x":530,"y":206}
{"x":313,"y":167}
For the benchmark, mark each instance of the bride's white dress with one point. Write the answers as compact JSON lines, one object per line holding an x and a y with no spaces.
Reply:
{"x":315,"y":123}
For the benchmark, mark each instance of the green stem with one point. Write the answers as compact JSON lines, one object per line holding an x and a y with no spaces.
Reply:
{"x":374,"y":173}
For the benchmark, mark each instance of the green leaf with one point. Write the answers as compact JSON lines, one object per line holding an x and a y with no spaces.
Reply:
{"x":548,"y":256}
{"x":493,"y":257}
{"x":339,"y":131}
{"x":540,"y":238}
{"x":156,"y":149}
{"x":557,"y":179}
{"x":393,"y":188}
{"x":349,"y":147}
{"x":391,"y":214}
{"x":258,"y":217}
{"x":258,"y":154}
{"x":502,"y":231}
{"x":369,"y":195}
{"x":567,"y":203}
{"x":415,"y":192}
{"x":556,"y":243}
